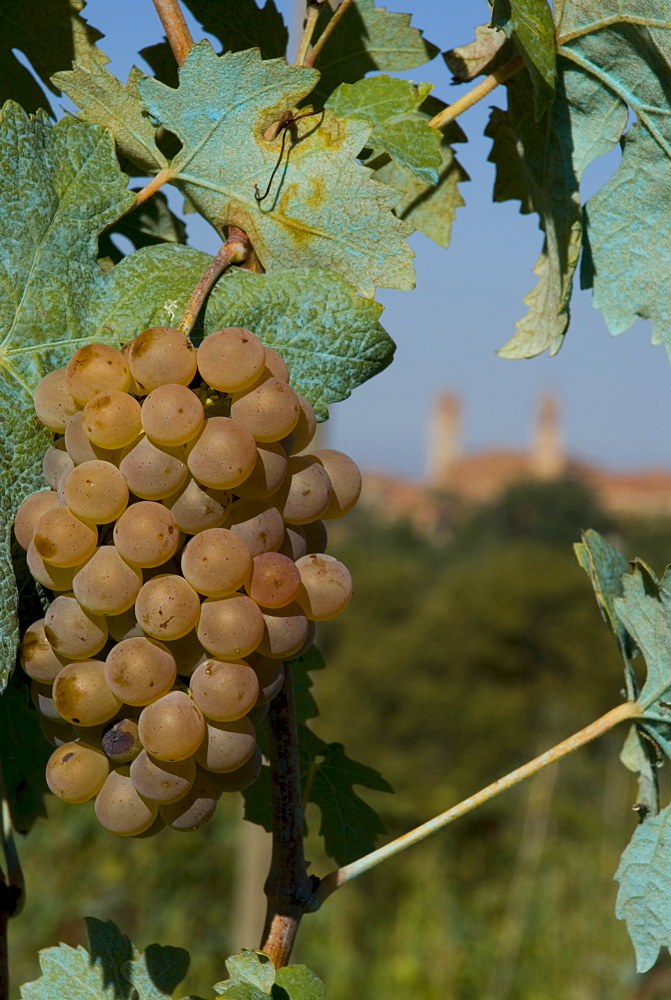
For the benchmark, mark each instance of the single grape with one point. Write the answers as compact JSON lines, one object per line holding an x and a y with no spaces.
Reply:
{"x":159,"y":356}
{"x":231,"y":359}
{"x":196,"y":509}
{"x":161,"y":781}
{"x":257,"y":714}
{"x":216,"y":562}
{"x":261,"y":527}
{"x":230,"y":627}
{"x":194,"y":809}
{"x":223,"y":455}
{"x":140,"y":670}
{"x":72,"y":631}
{"x":276,"y":366}
{"x":53,"y":401}
{"x":112,"y":419}
{"x":153,"y":472}
{"x":146,"y":534}
{"x":270,"y":410}
{"x":123,"y":626}
{"x":36,"y":655}
{"x":274,"y":580}
{"x":29,"y":513}
{"x":270,"y":675}
{"x":224,"y":690}
{"x":56,"y":463}
{"x":120,"y":740}
{"x":54,"y":578}
{"x":306,"y":493}
{"x":76,"y":771}
{"x":96,"y":491}
{"x":96,"y":368}
{"x":305,"y":428}
{"x":167,"y":607}
{"x":241,"y":778}
{"x":326,"y":586}
{"x":345,"y":479}
{"x":106,"y":585}
{"x":294,"y":544}
{"x":172,"y":415}
{"x":267,"y":475}
{"x":227,"y":745}
{"x":78,"y":446}
{"x":188,"y":653}
{"x":120,"y":809}
{"x":82,"y":694}
{"x":316,"y":536}
{"x":172,"y":728}
{"x":285,"y":632}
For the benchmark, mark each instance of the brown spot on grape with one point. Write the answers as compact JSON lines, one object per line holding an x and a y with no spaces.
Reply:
{"x":67,"y":757}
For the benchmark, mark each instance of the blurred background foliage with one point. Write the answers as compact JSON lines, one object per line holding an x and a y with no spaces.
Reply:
{"x":462,"y":655}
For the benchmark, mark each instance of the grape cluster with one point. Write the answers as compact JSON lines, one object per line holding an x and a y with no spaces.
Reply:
{"x":183,"y":537}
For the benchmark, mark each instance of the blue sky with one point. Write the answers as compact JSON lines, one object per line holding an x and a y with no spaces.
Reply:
{"x":615,"y":391}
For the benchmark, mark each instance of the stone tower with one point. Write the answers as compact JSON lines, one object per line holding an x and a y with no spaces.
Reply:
{"x":444,"y":445}
{"x":547,"y":459}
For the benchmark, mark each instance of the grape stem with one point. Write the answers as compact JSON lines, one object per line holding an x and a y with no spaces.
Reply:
{"x":333,"y":881}
{"x":477,"y":92}
{"x":233,"y":251}
{"x":308,"y":30}
{"x":175,"y":27}
{"x":12,"y":891}
{"x":309,"y":59}
{"x":288,"y":887}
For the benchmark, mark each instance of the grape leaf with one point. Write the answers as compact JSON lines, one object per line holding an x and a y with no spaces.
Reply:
{"x":150,"y":223}
{"x":254,"y":977}
{"x":22,"y":772}
{"x":427,"y":207}
{"x":104,"y":100}
{"x":468,"y":61}
{"x":221,"y":112}
{"x":297,"y":982}
{"x":349,"y":826}
{"x":540,"y":164}
{"x":306,"y":706}
{"x":637,"y":755}
{"x":387,"y":103}
{"x":240,"y":24}
{"x":606,"y":566}
{"x":329,"y":336}
{"x":63,"y":36}
{"x":644,"y":897}
{"x":632,"y":60}
{"x":114,"y":969}
{"x":366,"y":38}
{"x":529,"y":24}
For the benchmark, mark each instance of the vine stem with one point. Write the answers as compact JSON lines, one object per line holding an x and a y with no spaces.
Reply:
{"x":175,"y":27}
{"x":233,"y":251}
{"x":12,"y":890}
{"x":306,"y":37}
{"x":476,"y":93}
{"x":288,"y":887}
{"x":333,"y":881}
{"x":154,"y":184}
{"x":310,"y":57}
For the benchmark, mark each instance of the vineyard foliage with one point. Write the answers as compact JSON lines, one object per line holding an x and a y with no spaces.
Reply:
{"x":328,"y":170}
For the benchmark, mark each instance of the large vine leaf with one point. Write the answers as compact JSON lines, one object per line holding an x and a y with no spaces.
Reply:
{"x":349,"y":826}
{"x":104,"y":100}
{"x":530,"y":26}
{"x":321,"y":208}
{"x":112,"y":969}
{"x":254,"y":977}
{"x":430,"y":208}
{"x":388,"y":104}
{"x":240,"y":24}
{"x":468,"y":61}
{"x":366,"y":38}
{"x":644,"y":899}
{"x":148,"y":224}
{"x":63,"y":36}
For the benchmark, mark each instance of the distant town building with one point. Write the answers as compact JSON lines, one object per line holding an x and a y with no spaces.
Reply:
{"x":478,"y":477}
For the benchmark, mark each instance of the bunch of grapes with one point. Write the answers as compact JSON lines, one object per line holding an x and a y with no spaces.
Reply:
{"x":183,"y":538}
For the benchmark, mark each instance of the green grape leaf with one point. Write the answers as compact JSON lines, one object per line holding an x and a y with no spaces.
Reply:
{"x":539,"y":164}
{"x":644,"y":896}
{"x":606,"y":567}
{"x":388,"y":104}
{"x":163,"y":63}
{"x":297,"y":982}
{"x":104,"y":100}
{"x":240,"y":24}
{"x":22,"y":771}
{"x":626,"y":47}
{"x":112,"y":969}
{"x":149,"y":224}
{"x":529,"y":24}
{"x":349,"y":826}
{"x":366,"y":38}
{"x":468,"y":61}
{"x":306,"y":706}
{"x":63,"y":36}
{"x":637,"y":755}
{"x":430,"y":208}
{"x":254,"y":977}
{"x":221,"y":112}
